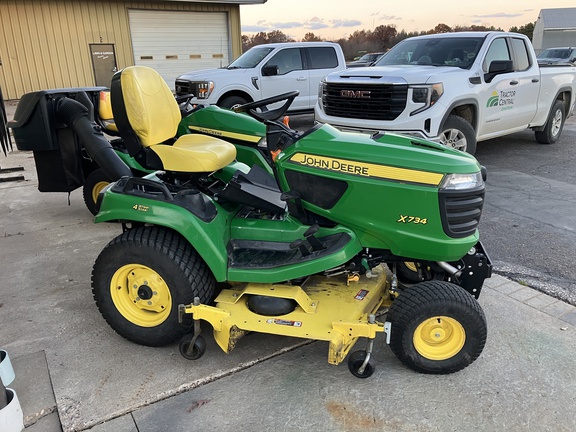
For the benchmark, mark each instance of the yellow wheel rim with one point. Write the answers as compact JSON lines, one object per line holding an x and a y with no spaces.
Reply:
{"x":141,"y":295}
{"x":411,"y":266}
{"x":97,"y":189}
{"x":439,"y":338}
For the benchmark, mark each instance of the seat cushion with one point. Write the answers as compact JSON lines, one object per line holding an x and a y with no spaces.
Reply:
{"x":195,"y":153}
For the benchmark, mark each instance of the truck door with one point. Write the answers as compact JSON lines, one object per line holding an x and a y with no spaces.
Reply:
{"x":291,"y":76}
{"x":321,"y":61}
{"x":510,"y":100}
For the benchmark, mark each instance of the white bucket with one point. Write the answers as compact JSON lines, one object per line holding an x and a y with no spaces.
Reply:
{"x":6,"y":370}
{"x":11,"y":416}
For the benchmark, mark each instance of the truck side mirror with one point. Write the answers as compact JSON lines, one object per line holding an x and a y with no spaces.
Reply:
{"x":270,"y":70}
{"x":498,"y":67}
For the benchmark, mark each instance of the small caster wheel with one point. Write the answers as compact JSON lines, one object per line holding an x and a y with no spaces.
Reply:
{"x":355,"y":361}
{"x":198,"y":350}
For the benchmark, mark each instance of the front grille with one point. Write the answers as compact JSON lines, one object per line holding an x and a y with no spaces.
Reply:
{"x":183,"y":88}
{"x":380,"y":102}
{"x":461,"y":211}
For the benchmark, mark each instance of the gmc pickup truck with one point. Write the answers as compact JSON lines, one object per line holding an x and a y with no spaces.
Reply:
{"x":454,"y":88}
{"x":264,"y":71}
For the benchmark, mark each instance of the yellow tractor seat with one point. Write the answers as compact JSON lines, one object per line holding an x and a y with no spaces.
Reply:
{"x":105,"y":113}
{"x":195,"y":153}
{"x":147,"y":117}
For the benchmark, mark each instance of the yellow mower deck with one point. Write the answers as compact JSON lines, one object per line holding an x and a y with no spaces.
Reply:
{"x":328,"y":309}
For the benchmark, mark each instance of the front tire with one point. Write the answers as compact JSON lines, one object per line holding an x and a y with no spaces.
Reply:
{"x":141,"y":277}
{"x":437,"y":328}
{"x":232,"y":101}
{"x":553,"y":128}
{"x":459,"y":134}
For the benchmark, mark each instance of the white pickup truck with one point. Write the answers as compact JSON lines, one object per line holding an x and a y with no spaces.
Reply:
{"x":455,"y":88}
{"x":264,"y":71}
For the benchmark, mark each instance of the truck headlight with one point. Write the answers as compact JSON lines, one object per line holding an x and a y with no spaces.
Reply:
{"x":426,"y":94}
{"x":462,"y":181}
{"x":321,"y":90}
{"x":204,"y":89}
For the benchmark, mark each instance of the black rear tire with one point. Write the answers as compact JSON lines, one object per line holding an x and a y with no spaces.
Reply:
{"x":141,"y":277}
{"x":437,"y":327}
{"x":93,"y":185}
{"x":554,"y":125}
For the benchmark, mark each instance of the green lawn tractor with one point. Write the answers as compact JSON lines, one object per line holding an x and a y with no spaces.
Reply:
{"x":350,"y":236}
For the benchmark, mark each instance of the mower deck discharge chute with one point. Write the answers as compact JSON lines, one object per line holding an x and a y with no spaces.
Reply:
{"x":319,"y":235}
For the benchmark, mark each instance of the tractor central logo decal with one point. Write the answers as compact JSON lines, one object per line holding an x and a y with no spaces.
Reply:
{"x":367,"y":170}
{"x":503,"y":99}
{"x":361,"y":294}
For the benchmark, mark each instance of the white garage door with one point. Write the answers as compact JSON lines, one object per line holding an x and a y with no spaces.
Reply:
{"x":174,"y":43}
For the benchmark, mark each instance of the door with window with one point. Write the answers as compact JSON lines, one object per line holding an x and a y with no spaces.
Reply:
{"x":321,"y":62}
{"x":291,"y":76}
{"x":510,"y":99}
{"x":103,"y":63}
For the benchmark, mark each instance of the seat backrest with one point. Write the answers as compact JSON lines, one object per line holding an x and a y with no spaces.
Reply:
{"x":104,"y":106}
{"x":145,"y":110}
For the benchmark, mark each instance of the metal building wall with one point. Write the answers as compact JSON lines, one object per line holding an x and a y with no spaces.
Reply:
{"x":558,"y":38}
{"x":45,"y":43}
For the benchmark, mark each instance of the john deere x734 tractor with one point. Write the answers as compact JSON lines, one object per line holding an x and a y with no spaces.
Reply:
{"x":352,"y":235}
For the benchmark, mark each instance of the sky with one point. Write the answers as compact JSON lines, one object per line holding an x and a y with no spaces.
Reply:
{"x":335,"y":19}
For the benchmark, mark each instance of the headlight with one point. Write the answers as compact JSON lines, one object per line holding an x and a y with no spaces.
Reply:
{"x":321,"y":90}
{"x":204,"y":89}
{"x":427,"y":95}
{"x":462,"y":181}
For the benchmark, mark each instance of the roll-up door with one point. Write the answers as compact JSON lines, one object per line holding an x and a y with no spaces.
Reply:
{"x":174,"y":43}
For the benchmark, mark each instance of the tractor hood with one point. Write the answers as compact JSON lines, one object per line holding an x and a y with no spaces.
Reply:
{"x":212,"y":74}
{"x":385,"y":149}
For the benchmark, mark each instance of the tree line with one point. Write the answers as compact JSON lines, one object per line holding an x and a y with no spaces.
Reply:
{"x":380,"y":39}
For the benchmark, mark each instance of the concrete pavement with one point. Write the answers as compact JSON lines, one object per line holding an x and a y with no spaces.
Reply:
{"x":74,"y":373}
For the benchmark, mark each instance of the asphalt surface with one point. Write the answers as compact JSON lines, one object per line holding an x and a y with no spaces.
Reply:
{"x":74,"y":373}
{"x":529,"y":219}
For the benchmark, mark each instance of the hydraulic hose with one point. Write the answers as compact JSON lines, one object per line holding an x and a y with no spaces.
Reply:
{"x":76,"y":116}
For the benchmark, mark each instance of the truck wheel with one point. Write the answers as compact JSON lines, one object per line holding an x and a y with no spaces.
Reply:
{"x":554,"y":125}
{"x":93,"y":185}
{"x":232,"y":101}
{"x":141,"y":277}
{"x":459,"y":134}
{"x":437,"y":328}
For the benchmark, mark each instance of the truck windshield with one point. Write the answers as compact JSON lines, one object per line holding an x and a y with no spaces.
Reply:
{"x":250,"y":58}
{"x":434,"y":51}
{"x":558,"y":53}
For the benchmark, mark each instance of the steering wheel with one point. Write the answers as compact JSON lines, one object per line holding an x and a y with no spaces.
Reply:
{"x":265,"y":114}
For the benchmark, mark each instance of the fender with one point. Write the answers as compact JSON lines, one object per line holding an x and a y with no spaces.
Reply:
{"x":207,"y":234}
{"x":131,"y":162}
{"x":236,"y":88}
{"x":456,"y":104}
{"x":569,"y":104}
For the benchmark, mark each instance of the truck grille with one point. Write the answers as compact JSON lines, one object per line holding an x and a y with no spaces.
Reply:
{"x":184,"y":88}
{"x":361,"y":101}
{"x":460,"y":211}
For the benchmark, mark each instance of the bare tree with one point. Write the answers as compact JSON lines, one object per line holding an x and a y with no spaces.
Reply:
{"x":311,"y":37}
